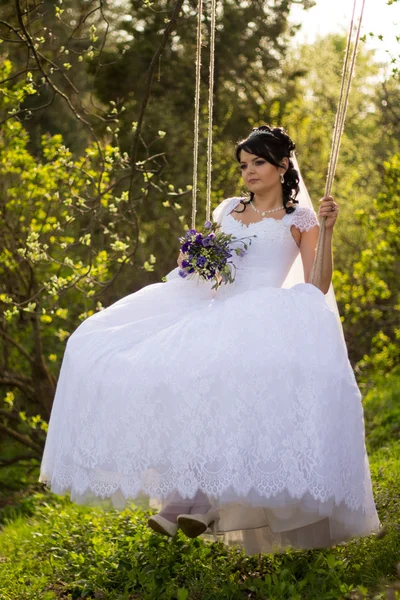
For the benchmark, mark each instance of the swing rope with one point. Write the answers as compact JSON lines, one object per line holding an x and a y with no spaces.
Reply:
{"x":210,"y":110}
{"x":197,"y":112}
{"x":347,"y":77}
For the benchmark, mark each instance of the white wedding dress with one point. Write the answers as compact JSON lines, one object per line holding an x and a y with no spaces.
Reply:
{"x":246,"y":393}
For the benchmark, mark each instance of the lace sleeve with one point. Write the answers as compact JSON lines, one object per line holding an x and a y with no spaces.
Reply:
{"x":305,"y":218}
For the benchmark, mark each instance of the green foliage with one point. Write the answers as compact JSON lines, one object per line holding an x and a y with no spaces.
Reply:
{"x":382,"y":413}
{"x":64,"y":549}
{"x":371,"y":293}
{"x":68,"y":230}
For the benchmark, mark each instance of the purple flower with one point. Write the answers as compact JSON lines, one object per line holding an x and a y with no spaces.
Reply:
{"x":207,"y":225}
{"x":199,"y":238}
{"x":182,"y":273}
{"x":191,"y":232}
{"x":201,"y":261}
{"x":208,"y":241}
{"x":185,"y":247}
{"x":185,"y":263}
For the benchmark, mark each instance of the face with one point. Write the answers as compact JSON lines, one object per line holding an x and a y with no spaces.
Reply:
{"x":258,"y":174}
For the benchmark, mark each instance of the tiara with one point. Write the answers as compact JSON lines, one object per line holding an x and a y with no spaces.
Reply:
{"x":257,"y":131}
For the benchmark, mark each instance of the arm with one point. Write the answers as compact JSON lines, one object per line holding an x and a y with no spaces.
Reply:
{"x":180,"y":259}
{"x":309,"y":241}
{"x":308,"y":247}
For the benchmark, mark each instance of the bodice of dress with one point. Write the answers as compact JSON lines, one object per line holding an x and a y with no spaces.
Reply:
{"x":273,"y":248}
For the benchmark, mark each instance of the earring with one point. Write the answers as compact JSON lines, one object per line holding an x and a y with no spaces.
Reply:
{"x":282,"y":178}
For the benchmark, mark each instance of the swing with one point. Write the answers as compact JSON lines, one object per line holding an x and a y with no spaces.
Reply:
{"x":347,"y":75}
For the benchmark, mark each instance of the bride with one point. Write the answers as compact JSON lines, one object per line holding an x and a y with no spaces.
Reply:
{"x":236,"y":409}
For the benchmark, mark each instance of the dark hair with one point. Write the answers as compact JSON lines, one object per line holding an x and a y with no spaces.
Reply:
{"x":273,"y":144}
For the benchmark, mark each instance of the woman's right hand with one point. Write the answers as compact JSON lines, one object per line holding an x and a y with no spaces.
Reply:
{"x":180,"y":259}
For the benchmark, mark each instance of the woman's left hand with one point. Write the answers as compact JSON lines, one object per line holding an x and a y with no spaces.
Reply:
{"x":325,"y":210}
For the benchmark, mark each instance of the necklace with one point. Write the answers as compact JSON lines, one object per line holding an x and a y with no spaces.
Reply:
{"x":264,"y":212}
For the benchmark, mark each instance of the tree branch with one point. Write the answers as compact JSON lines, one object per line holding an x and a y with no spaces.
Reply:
{"x":18,"y":382}
{"x":11,"y":461}
{"x":154,"y":62}
{"x":22,"y":439}
{"x":21,"y":349}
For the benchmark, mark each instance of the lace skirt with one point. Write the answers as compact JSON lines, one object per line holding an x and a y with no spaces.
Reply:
{"x":249,"y":397}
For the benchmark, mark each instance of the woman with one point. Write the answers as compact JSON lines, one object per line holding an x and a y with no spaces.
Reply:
{"x":236,"y":409}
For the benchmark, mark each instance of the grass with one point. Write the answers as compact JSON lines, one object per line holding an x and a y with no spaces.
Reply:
{"x":51,"y":548}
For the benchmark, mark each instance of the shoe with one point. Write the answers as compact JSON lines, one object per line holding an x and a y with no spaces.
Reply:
{"x":165,"y":527}
{"x":194,"y":525}
{"x":161,"y":525}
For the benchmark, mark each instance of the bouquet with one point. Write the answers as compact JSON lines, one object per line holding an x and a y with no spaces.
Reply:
{"x":208,"y":254}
